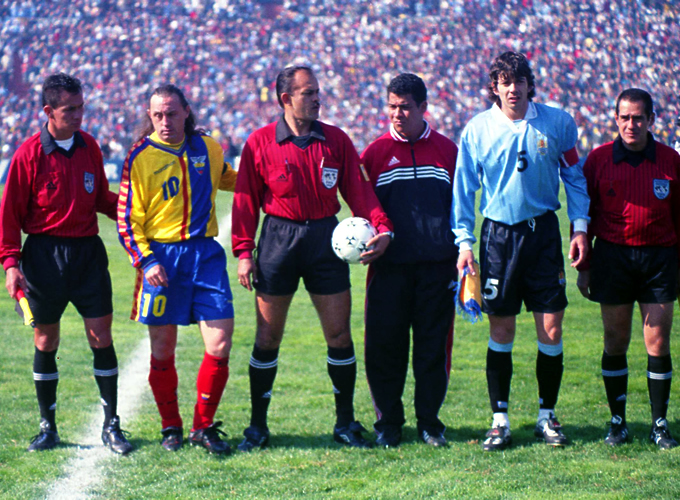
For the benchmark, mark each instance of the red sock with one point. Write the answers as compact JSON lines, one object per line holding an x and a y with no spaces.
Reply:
{"x":163,"y":381}
{"x":210,"y":383}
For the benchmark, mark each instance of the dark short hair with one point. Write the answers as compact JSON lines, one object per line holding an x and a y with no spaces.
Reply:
{"x":166,"y":91}
{"x":55,"y":84}
{"x":284,"y":80}
{"x":511,"y":65}
{"x":636,"y":95}
{"x":408,"y":83}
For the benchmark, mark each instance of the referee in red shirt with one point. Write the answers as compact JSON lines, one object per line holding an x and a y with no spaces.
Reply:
{"x":55,"y":187}
{"x":293,"y":169}
{"x":634,"y":187}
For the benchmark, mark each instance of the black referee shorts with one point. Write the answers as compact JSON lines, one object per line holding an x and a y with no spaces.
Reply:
{"x":622,"y":274}
{"x":290,"y":250}
{"x":522,"y":263}
{"x":62,"y":270}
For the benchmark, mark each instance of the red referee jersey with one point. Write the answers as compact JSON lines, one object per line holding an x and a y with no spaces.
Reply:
{"x":54,"y":192}
{"x":634,"y":199}
{"x":299,"y":183}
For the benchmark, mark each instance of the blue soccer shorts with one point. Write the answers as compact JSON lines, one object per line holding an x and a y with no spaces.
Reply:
{"x":198,"y":285}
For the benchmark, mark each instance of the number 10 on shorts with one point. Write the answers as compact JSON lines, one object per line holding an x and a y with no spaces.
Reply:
{"x":158,"y":309}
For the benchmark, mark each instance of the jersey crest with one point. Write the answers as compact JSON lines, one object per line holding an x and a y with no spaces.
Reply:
{"x":329,"y":177}
{"x":541,"y":143}
{"x":661,"y":188}
{"x":88,"y":182}
{"x":199,"y":163}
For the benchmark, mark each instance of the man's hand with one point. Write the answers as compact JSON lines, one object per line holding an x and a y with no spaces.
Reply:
{"x":578,"y":248}
{"x":583,"y":283}
{"x":156,"y":276}
{"x":465,"y":259}
{"x":14,"y":281}
{"x":247,"y":273}
{"x":379,"y":244}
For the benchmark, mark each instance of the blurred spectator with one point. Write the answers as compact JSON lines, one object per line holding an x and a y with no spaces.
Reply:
{"x":226,"y":54}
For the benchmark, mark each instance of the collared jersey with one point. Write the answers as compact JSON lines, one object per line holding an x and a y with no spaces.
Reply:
{"x":413,"y":182}
{"x":167,"y":194}
{"x":299,"y":183}
{"x":634,"y":205}
{"x":54,"y":192}
{"x":518,"y":164}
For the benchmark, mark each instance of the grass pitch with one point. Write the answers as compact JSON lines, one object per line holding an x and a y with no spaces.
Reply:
{"x":303,"y":461}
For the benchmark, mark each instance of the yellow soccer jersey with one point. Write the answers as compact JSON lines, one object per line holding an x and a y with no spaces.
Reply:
{"x":167,"y":193}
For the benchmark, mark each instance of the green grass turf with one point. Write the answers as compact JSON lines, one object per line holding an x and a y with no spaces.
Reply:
{"x":303,"y":461}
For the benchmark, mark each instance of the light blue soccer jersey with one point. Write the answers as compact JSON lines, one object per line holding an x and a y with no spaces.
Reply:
{"x":518,"y":164}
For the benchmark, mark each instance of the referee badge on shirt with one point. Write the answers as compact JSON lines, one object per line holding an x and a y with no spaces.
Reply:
{"x":88,"y":182}
{"x":198,"y":162}
{"x":661,"y":188}
{"x":329,"y":177}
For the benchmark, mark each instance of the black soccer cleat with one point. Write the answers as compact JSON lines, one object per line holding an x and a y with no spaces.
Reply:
{"x":46,"y":439}
{"x":173,"y":438}
{"x":209,"y":439}
{"x":550,"y":430}
{"x":497,"y":438}
{"x":351,"y":435}
{"x":618,"y":432}
{"x":255,"y":437}
{"x":389,"y":437}
{"x":435,"y":439}
{"x":661,"y":436}
{"x":114,"y":438}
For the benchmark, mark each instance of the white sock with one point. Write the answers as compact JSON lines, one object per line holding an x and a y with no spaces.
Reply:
{"x":544,"y":414}
{"x":501,"y":420}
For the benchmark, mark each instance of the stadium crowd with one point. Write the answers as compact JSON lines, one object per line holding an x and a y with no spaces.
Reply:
{"x":225,"y":54}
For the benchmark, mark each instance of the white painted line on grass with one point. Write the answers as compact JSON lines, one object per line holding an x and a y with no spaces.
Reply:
{"x":84,"y":469}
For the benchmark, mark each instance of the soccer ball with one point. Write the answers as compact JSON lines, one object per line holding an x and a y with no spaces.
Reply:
{"x":350,"y":238}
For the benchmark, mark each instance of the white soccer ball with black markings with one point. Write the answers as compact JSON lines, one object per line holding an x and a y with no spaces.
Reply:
{"x":350,"y":237}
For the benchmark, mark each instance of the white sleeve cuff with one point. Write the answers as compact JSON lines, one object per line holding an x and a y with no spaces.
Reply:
{"x":581,"y":225}
{"x":465,"y":245}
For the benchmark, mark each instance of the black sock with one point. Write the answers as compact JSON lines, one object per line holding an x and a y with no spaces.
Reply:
{"x":615,"y":377}
{"x":498,"y":377}
{"x":549,"y":371}
{"x":46,"y":378}
{"x":106,"y":374}
{"x":342,"y":368}
{"x":262,"y":371}
{"x":659,"y":375}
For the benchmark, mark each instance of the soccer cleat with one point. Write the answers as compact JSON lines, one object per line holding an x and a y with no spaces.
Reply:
{"x":173,"y":438}
{"x":255,"y":437}
{"x":351,"y":435}
{"x":209,"y":439}
{"x":435,"y":439}
{"x":46,"y":439}
{"x":389,"y":437}
{"x":618,"y":432}
{"x":550,"y":430}
{"x":498,"y":438}
{"x":114,"y":437}
{"x":661,"y":436}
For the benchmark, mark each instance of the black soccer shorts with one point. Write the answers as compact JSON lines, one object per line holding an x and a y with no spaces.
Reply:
{"x":522,"y":263}
{"x":62,"y":270}
{"x":622,"y":274}
{"x":290,"y":250}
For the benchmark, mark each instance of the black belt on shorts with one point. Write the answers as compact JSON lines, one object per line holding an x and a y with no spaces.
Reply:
{"x":308,"y":222}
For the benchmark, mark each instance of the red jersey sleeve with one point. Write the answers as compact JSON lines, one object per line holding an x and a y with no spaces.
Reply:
{"x":14,"y":207}
{"x":245,"y":215}
{"x":107,"y":200}
{"x":356,"y":189}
